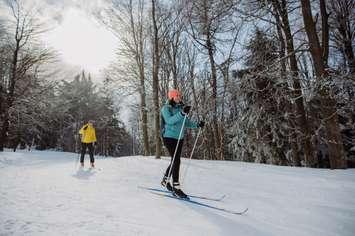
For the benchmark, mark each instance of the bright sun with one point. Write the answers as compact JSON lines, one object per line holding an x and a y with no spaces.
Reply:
{"x":83,"y":42}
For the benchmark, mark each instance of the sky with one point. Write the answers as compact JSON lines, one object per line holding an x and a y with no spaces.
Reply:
{"x":79,"y":39}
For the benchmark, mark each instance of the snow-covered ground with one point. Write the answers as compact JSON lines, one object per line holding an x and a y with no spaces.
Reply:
{"x":44,"y":193}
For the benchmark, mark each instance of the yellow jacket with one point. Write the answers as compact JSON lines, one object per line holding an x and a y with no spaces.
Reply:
{"x":88,"y":134}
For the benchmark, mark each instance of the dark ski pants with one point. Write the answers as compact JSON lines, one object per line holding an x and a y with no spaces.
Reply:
{"x":85,"y":146}
{"x":170,"y":144}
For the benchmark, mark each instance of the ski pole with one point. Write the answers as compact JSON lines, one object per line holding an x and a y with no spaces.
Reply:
{"x":77,"y":160}
{"x":177,"y":145}
{"x":192,"y":151}
{"x":77,"y":150}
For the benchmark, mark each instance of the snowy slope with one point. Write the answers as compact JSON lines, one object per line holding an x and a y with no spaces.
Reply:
{"x":44,"y":193}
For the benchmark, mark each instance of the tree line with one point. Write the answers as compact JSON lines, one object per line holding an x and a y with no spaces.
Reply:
{"x":40,"y":112}
{"x":273,"y":79}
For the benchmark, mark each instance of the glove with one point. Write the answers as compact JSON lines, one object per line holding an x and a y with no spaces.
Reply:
{"x":95,"y":144}
{"x":186,"y":109}
{"x":201,"y":124}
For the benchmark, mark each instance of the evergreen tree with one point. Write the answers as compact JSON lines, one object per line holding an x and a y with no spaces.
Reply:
{"x":260,"y":122}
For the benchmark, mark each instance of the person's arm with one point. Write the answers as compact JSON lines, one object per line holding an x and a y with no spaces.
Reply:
{"x":94,"y":134}
{"x":81,"y":131}
{"x":191,"y":124}
{"x":169,"y":118}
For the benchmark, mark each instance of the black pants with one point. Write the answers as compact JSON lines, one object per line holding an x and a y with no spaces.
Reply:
{"x":84,"y":146}
{"x":170,"y":144}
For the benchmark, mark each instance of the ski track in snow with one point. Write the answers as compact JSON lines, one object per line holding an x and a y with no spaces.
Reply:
{"x":46,"y":193}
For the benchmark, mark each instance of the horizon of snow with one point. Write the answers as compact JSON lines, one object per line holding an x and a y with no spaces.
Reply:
{"x":45,"y":193}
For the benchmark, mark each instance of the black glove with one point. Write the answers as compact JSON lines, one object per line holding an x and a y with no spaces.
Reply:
{"x":201,"y":124}
{"x":186,"y":109}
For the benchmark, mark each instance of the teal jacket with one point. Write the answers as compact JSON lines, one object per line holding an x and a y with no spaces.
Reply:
{"x":173,"y":119}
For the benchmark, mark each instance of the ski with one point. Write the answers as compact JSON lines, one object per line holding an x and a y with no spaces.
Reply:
{"x":89,"y":169}
{"x":189,"y":195}
{"x":96,"y":168}
{"x":200,"y":203}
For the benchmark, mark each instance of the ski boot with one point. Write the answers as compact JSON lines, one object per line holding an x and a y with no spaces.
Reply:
{"x":177,"y":192}
{"x":166,"y":184}
{"x":82,"y":164}
{"x":92,"y":165}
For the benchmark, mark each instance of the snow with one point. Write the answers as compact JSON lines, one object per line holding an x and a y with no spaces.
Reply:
{"x":45,"y":193}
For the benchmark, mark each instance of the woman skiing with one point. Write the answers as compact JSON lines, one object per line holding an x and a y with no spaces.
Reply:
{"x":174,"y":115}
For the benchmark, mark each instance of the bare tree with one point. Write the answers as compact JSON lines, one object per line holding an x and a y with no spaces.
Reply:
{"x":129,"y":17}
{"x":24,"y":56}
{"x":155,"y":78}
{"x":207,"y":20}
{"x":328,"y":103}
{"x":280,"y":12}
{"x":342,"y":23}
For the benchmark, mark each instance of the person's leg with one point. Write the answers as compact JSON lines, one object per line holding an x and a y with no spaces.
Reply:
{"x":176,"y":164}
{"x":170,"y":144}
{"x":83,"y":150}
{"x":176,"y":169}
{"x":91,"y":152}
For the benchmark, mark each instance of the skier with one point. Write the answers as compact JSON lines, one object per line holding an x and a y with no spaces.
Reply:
{"x":88,"y":140}
{"x":173,"y":114}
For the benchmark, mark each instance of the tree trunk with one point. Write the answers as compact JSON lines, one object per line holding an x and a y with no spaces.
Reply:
{"x":138,"y":38}
{"x":156,"y":84}
{"x":144,"y":116}
{"x":10,"y":96}
{"x":295,"y":157}
{"x":1,"y":95}
{"x":300,"y":110}
{"x":349,"y":55}
{"x":328,"y":104}
{"x":209,"y":46}
{"x":325,"y":32}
